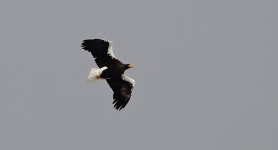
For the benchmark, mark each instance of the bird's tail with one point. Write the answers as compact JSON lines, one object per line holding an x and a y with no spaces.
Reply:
{"x":95,"y":73}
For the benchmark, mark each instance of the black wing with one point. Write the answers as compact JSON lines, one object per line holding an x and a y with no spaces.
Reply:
{"x":99,"y":49}
{"x":122,"y":91}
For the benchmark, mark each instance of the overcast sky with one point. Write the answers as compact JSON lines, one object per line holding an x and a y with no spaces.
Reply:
{"x":205,"y":70}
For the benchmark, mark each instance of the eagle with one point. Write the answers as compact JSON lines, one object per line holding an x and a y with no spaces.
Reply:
{"x":111,"y":69}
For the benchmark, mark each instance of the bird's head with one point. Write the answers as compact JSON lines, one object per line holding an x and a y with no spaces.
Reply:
{"x":127,"y":66}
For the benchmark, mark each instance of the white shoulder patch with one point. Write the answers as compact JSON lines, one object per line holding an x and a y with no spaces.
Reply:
{"x":128,"y":79}
{"x":110,"y":50}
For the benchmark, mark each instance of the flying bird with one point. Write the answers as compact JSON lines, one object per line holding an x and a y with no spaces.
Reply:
{"x":111,"y":69}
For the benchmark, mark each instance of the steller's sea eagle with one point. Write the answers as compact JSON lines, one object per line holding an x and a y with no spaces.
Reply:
{"x":110,"y":69}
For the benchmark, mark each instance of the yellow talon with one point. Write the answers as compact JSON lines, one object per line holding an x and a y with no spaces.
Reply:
{"x":98,"y":77}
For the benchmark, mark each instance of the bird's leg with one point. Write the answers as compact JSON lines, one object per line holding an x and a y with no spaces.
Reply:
{"x":98,"y":77}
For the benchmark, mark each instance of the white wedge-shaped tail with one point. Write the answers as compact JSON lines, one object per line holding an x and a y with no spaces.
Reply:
{"x":95,"y":73}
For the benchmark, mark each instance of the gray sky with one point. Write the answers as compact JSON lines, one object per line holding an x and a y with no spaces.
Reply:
{"x":205,"y":71}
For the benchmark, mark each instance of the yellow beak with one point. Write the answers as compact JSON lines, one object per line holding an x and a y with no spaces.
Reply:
{"x":130,"y":66}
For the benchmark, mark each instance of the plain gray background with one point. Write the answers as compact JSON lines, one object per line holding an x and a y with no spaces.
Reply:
{"x":205,"y":71}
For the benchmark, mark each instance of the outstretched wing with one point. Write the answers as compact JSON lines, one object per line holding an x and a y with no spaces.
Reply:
{"x":100,"y":49}
{"x":122,"y":87}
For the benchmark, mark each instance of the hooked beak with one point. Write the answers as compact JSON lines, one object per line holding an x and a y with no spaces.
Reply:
{"x":130,"y":66}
